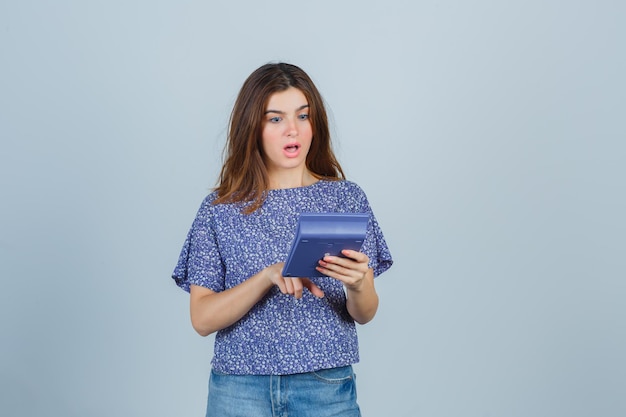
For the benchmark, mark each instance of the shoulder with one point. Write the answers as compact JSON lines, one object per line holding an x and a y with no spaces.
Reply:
{"x":350,"y":196}
{"x":344,"y":186}
{"x":207,"y":202}
{"x":352,"y":189}
{"x":207,"y":208}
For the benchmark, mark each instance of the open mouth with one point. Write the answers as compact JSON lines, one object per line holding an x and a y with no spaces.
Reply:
{"x":292,"y":147}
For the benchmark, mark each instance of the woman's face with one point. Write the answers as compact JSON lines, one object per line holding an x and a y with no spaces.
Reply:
{"x":287,"y":131}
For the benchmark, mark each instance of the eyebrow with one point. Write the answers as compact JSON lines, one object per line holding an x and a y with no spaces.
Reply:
{"x":304,"y":106}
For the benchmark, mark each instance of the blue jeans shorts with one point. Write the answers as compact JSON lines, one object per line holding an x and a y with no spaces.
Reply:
{"x":329,"y":392}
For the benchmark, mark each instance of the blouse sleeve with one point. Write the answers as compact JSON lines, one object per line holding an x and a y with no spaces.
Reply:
{"x":200,"y":262}
{"x":374,"y":246}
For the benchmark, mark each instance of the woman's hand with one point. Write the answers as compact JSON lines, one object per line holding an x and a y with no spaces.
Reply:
{"x":292,"y":286}
{"x":351,"y":270}
{"x":358,"y":278}
{"x":212,"y":311}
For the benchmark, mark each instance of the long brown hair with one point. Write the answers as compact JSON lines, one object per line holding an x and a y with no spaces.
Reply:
{"x":244,"y":178}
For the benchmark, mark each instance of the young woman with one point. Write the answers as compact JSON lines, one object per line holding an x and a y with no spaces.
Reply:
{"x":284,"y":346}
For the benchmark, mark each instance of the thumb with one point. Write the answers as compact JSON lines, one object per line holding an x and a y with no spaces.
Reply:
{"x":314,"y":289}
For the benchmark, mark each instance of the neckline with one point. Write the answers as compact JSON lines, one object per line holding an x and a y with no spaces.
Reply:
{"x":303,"y":187}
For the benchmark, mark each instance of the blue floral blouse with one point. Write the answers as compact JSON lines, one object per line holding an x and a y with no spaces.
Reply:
{"x":280,"y":334}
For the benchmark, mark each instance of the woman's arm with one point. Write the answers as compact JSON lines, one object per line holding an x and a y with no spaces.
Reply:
{"x":358,"y":278}
{"x":212,"y":311}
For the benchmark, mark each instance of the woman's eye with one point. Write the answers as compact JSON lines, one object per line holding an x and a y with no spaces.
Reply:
{"x":303,"y":116}
{"x":275,"y":119}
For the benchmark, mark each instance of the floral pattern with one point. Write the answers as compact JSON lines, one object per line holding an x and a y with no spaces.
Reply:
{"x":280,"y":334}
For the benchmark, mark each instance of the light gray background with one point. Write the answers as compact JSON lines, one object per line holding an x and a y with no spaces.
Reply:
{"x":489,"y":136}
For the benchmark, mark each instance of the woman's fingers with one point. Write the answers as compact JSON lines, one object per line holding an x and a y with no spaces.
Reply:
{"x":297,"y":286}
{"x":351,"y":269}
{"x":359,"y":257}
{"x":292,"y":286}
{"x":344,"y":266}
{"x":313,"y":288}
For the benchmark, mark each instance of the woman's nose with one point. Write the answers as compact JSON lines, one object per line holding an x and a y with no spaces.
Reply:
{"x":292,"y":128}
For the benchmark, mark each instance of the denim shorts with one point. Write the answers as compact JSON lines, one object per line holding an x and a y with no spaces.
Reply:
{"x":329,"y":392}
